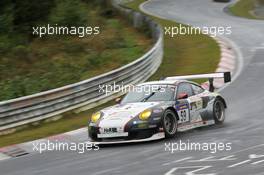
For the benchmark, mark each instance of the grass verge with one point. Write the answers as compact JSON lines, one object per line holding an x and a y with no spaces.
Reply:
{"x":185,"y":54}
{"x":49,"y":62}
{"x":245,"y":8}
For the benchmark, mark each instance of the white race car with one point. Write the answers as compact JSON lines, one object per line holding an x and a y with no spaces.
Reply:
{"x":168,"y":106}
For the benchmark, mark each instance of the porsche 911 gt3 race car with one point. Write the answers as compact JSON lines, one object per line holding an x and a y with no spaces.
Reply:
{"x":167,"y":106}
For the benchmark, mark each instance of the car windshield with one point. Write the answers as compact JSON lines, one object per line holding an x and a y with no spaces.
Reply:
{"x":150,"y":93}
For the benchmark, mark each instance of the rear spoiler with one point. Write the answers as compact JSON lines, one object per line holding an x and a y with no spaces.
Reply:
{"x":211,"y":77}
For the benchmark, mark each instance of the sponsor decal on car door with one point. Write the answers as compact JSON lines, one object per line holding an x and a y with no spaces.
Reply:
{"x":196,"y":105}
{"x":183,"y":111}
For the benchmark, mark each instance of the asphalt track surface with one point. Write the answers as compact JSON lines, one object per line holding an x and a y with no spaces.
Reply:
{"x":244,"y":126}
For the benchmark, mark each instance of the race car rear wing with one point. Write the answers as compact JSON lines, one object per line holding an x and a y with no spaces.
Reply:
{"x":211,"y":77}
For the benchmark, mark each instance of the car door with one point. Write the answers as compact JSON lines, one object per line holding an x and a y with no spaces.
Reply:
{"x":196,"y":103}
{"x":184,"y":91}
{"x":202,"y":98}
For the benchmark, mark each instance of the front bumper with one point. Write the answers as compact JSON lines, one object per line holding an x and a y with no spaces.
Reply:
{"x":137,"y":133}
{"x":157,"y":136}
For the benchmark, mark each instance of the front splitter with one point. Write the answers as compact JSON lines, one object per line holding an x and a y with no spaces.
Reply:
{"x":157,"y":136}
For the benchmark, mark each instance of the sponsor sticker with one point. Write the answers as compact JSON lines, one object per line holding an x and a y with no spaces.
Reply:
{"x":157,"y":110}
{"x":182,"y":106}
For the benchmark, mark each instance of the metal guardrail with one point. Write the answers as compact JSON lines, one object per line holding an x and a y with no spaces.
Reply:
{"x":86,"y":93}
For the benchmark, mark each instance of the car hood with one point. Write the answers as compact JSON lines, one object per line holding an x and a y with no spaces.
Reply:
{"x":119,"y":115}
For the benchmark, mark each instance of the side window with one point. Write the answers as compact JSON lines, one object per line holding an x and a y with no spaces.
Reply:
{"x":197,"y":89}
{"x":185,"y":88}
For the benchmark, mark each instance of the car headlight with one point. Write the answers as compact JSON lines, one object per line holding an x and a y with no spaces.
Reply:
{"x":95,"y":117}
{"x":145,"y":114}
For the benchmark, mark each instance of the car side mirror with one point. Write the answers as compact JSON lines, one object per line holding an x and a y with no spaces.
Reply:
{"x":182,"y":96}
{"x":118,"y":100}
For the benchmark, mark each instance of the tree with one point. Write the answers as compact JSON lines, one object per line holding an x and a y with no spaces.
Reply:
{"x":6,"y":16}
{"x":28,"y":13}
{"x":69,"y":13}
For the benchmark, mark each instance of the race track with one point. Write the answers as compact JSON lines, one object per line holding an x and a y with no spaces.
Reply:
{"x":244,"y":126}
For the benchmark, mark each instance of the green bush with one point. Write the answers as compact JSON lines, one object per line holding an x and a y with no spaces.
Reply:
{"x":31,"y":65}
{"x":145,"y":29}
{"x":69,"y":13}
{"x":12,"y":88}
{"x":73,"y":47}
{"x":117,"y":40}
{"x":95,"y":60}
{"x":6,"y":20}
{"x":28,"y":13}
{"x":21,"y":51}
{"x":108,"y":12}
{"x":4,"y":44}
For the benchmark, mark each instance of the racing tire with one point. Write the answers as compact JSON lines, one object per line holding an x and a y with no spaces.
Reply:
{"x":219,"y":111}
{"x":169,"y":123}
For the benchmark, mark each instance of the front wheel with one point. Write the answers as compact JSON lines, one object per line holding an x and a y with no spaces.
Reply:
{"x":169,"y":123}
{"x":219,"y":111}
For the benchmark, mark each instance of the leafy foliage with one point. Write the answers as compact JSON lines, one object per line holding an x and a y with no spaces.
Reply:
{"x":69,"y":13}
{"x":29,"y":65}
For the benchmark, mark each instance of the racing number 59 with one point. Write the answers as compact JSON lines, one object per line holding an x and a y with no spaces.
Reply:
{"x":184,"y":115}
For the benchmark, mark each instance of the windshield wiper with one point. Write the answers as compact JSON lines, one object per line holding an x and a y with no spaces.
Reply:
{"x":150,"y":95}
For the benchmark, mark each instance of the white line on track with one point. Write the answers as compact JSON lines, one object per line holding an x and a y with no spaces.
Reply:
{"x":176,"y":161}
{"x":228,"y":158}
{"x":237,"y":164}
{"x":193,"y":172}
{"x":260,"y":161}
{"x":204,"y":159}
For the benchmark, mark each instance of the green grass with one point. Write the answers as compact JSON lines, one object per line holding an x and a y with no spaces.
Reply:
{"x":55,"y":61}
{"x":184,"y":54}
{"x":245,"y":8}
{"x":189,"y":54}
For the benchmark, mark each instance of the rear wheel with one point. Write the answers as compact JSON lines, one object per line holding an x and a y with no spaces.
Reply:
{"x":219,"y":111}
{"x":169,"y":123}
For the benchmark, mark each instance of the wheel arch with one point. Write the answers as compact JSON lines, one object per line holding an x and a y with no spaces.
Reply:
{"x":173,"y":110}
{"x":222,"y":99}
